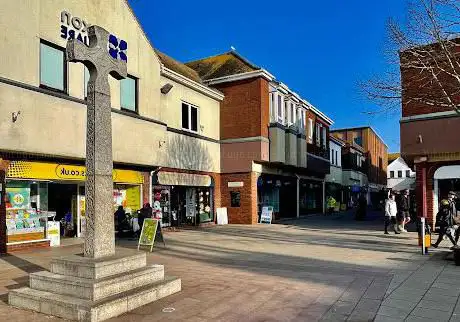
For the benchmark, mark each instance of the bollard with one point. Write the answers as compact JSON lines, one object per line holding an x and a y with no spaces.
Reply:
{"x":422,"y":235}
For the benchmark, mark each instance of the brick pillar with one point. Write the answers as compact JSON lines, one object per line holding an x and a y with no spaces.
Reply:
{"x":146,"y":188}
{"x":3,"y":235}
{"x":421,"y":183}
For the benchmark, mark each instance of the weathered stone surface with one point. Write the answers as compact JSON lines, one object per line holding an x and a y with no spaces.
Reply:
{"x":123,"y":261}
{"x":95,"y":289}
{"x":99,"y":235}
{"x":84,"y":310}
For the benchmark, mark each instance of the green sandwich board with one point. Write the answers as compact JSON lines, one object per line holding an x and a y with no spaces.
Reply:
{"x":150,"y":229}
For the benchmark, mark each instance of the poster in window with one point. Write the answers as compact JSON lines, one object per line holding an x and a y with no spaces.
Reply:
{"x":235,"y":198}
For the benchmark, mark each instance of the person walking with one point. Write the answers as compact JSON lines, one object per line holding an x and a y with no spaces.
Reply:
{"x":444,"y":221}
{"x":145,"y":212}
{"x":391,"y":210}
{"x":403,"y":216}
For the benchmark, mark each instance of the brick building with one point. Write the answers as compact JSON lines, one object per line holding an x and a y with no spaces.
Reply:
{"x":429,"y":132}
{"x":274,"y":144}
{"x":374,"y":166}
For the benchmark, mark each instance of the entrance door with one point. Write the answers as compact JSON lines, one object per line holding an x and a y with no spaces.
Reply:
{"x":190,"y":205}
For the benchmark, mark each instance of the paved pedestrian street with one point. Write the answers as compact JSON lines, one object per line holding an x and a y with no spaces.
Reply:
{"x":325,"y":268}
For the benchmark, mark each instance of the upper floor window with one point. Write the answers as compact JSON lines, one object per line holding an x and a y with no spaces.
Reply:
{"x":332,"y":156}
{"x":85,"y":81}
{"x":310,"y":130}
{"x":189,"y":117}
{"x":407,"y":173}
{"x":293,"y":113}
{"x":318,"y":134}
{"x":272,"y":107}
{"x":53,"y":67}
{"x":392,"y":174}
{"x":337,"y":158}
{"x":128,"y":94}
{"x":358,"y":140}
{"x":324,"y":132}
{"x":280,"y":109}
{"x":399,"y":174}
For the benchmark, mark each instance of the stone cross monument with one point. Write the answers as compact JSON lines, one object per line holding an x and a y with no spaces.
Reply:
{"x":103,"y":283}
{"x":99,"y":235}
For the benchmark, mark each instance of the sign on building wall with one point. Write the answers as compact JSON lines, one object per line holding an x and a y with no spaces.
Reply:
{"x":73,"y":27}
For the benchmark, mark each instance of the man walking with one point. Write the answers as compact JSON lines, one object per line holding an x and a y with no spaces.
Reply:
{"x":390,"y":213}
{"x":403,"y":216}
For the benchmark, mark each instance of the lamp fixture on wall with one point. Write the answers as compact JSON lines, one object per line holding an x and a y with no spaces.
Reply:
{"x":166,"y":88}
{"x":14,"y":116}
{"x":161,"y":143}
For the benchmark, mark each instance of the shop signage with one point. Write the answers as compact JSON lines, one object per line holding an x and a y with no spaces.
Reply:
{"x":54,"y":171}
{"x":73,"y":27}
{"x":54,"y":233}
{"x":267,"y":215}
{"x":235,"y":184}
{"x":150,"y":231}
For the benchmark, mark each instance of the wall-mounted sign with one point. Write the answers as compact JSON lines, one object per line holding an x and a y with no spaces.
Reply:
{"x":73,"y":27}
{"x":53,"y":171}
{"x":235,"y":184}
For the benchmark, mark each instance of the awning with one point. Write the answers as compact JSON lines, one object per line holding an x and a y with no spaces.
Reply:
{"x":448,"y":172}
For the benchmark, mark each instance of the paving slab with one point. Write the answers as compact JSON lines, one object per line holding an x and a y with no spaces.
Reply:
{"x":435,"y":315}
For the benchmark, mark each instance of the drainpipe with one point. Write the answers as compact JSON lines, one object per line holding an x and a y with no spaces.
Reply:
{"x":298,"y":196}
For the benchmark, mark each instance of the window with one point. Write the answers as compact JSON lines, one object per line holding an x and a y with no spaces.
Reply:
{"x":293,"y":113}
{"x":235,"y":199}
{"x":324,"y":137}
{"x":407,"y":173}
{"x":286,"y":113}
{"x":53,"y":67}
{"x":189,"y":117}
{"x":304,"y":124}
{"x":280,"y":109}
{"x":310,"y":129}
{"x":392,"y":174}
{"x":399,"y":174}
{"x":85,"y":81}
{"x":336,"y":158}
{"x":318,"y":134}
{"x":332,"y":156}
{"x":272,"y":107}
{"x":358,"y":140}
{"x":128,"y":94}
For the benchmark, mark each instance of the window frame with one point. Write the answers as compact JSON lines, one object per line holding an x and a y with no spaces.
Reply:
{"x":189,"y":110}
{"x":407,"y":173}
{"x":136,"y":94}
{"x":400,"y":174}
{"x":310,"y":129}
{"x":392,"y":174}
{"x":65,"y":89}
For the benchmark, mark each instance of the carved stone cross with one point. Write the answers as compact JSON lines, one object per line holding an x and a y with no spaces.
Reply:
{"x":99,"y":234}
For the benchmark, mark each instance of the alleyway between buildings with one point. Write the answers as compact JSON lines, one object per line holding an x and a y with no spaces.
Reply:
{"x":328,"y":268}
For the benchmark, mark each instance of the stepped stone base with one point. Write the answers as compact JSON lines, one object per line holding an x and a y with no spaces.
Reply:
{"x":82,"y":289}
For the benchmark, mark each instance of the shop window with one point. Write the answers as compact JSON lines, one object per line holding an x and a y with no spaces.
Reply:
{"x":235,"y":199}
{"x":53,"y":67}
{"x":128,"y":94}
{"x":204,"y":205}
{"x":189,"y":117}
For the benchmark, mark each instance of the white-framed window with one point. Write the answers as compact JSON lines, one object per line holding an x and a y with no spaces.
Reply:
{"x":273,"y":107}
{"x":85,"y":81}
{"x":286,"y":113}
{"x":280,"y":109}
{"x":128,"y":94}
{"x":337,"y":159}
{"x":318,"y":134}
{"x":392,"y":174}
{"x":293,"y":113}
{"x":332,"y":156}
{"x":310,"y":129}
{"x":189,"y":117}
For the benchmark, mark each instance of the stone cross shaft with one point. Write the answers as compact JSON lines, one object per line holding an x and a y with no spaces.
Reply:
{"x":99,"y":235}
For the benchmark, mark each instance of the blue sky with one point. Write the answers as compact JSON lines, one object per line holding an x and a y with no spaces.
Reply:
{"x":320,"y":49}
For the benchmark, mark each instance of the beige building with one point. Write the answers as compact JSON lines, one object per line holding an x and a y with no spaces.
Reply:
{"x":164,"y":120}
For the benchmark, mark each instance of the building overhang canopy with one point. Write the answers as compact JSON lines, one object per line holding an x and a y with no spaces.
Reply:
{"x":447,"y":172}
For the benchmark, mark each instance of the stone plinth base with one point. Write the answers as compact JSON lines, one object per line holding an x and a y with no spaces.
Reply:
{"x":83,"y":289}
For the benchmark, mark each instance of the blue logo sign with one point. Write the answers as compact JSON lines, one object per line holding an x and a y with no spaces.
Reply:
{"x":118,"y":48}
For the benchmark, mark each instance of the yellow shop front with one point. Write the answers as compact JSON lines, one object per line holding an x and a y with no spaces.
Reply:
{"x":41,"y":192}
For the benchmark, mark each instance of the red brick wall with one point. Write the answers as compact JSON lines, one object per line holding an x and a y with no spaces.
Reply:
{"x":245,"y":110}
{"x":28,"y":246}
{"x":247,"y":212}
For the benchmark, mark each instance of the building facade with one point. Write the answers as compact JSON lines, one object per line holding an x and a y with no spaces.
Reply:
{"x":429,"y":136}
{"x":400,"y":176}
{"x":366,"y":141}
{"x":165,"y":135}
{"x":334,"y":180}
{"x":274,"y":144}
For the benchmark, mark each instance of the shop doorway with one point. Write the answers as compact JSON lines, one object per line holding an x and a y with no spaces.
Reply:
{"x":62,"y":199}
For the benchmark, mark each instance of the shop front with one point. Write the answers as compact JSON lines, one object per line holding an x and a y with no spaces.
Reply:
{"x":180,"y":199}
{"x":38,"y":193}
{"x":279,"y":192}
{"x":311,"y":194}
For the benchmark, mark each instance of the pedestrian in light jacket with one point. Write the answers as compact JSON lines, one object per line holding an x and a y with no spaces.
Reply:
{"x":391,"y":210}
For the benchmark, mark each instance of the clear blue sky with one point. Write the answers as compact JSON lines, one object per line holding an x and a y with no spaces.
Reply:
{"x":320,"y":49}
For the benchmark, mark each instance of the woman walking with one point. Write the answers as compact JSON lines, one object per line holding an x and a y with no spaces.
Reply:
{"x":390,"y":214}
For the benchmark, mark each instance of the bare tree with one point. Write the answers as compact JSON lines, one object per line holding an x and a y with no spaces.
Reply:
{"x":424,"y":59}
